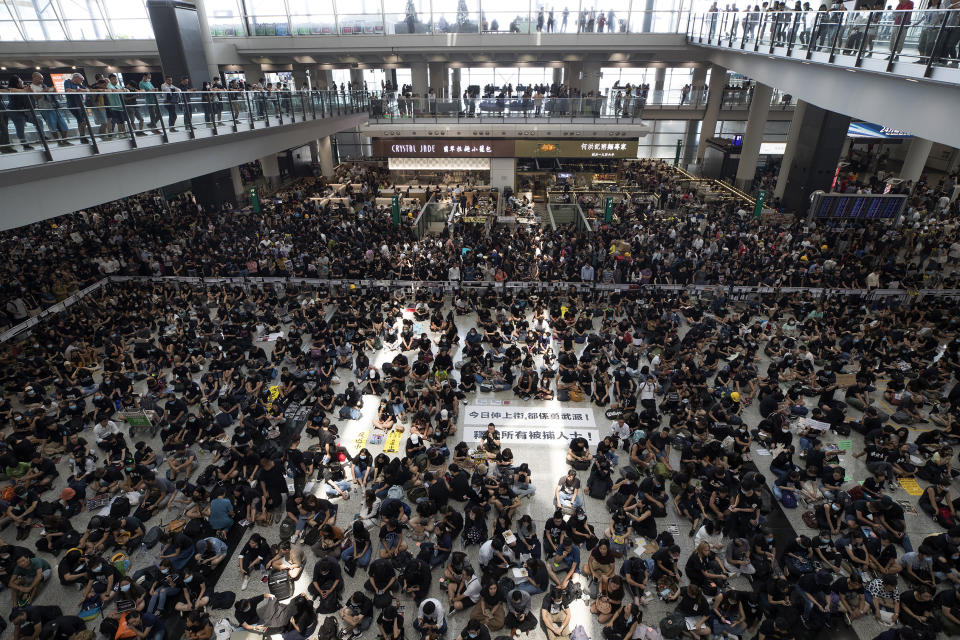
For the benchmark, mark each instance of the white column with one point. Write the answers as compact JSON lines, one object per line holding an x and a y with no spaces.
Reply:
{"x":793,"y":138}
{"x":325,"y":153}
{"x":698,"y":85}
{"x":718,"y":80}
{"x":659,"y":80}
{"x":916,"y":159}
{"x":591,"y":78}
{"x":271,"y":169}
{"x":756,"y":122}
{"x":418,"y":78}
{"x":356,"y":79}
{"x":439,"y":80}
{"x":238,"y":189}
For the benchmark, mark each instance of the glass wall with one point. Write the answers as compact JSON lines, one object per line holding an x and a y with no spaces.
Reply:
{"x":674,"y":79}
{"x":121,"y":19}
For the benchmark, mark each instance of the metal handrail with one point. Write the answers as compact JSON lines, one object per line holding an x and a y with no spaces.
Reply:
{"x":928,"y":37}
{"x":92,"y":118}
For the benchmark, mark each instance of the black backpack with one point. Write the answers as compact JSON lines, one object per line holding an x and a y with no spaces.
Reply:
{"x":152,"y":537}
{"x":329,"y":630}
{"x":120,"y":508}
{"x":222,"y":599}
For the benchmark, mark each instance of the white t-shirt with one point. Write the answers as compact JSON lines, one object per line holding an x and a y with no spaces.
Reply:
{"x":473,"y":589}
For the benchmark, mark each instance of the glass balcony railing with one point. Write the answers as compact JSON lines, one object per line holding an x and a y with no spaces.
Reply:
{"x":618,"y":105}
{"x":59,"y":126}
{"x":910,"y":42}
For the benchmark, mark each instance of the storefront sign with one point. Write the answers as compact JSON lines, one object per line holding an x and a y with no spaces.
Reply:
{"x":576,"y":148}
{"x":871,"y":130}
{"x":442,"y":148}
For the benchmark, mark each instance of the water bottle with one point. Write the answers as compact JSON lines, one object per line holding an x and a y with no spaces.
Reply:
{"x":143,"y":550}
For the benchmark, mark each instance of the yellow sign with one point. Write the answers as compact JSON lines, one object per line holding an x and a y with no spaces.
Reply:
{"x":911,"y":487}
{"x":392,"y":444}
{"x":360,"y":441}
{"x":274,"y":393}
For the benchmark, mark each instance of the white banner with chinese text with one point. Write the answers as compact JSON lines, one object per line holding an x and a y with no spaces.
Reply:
{"x":526,"y":424}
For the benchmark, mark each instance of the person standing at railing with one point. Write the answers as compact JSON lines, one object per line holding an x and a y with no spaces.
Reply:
{"x":186,"y":88}
{"x":611,"y":20}
{"x":901,"y":24}
{"x":74,"y":87}
{"x":566,"y":16}
{"x":19,"y":111}
{"x":146,"y":85}
{"x":49,"y":106}
{"x":171,"y":97}
{"x":207,"y":102}
{"x":713,"y":11}
{"x":540,"y":20}
{"x":132,"y":102}
{"x":551,"y":22}
{"x":115,"y":108}
{"x":947,"y":53}
{"x":733,"y":11}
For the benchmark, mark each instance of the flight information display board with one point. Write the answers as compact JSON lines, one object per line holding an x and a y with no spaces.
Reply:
{"x":853,"y":206}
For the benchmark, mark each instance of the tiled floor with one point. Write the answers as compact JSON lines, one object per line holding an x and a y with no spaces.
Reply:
{"x":547,"y":461}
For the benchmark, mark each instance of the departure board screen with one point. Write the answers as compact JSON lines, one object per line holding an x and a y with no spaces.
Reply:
{"x":840,"y":206}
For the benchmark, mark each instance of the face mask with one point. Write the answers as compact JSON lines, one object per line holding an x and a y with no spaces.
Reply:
{"x":164,"y":571}
{"x":188,"y":580}
{"x":664,"y":593}
{"x":835,"y":507}
{"x":124,"y":588}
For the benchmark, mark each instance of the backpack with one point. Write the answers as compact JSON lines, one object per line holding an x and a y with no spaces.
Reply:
{"x":672,"y":625}
{"x":788,"y":499}
{"x":197,"y":529}
{"x":222,"y":599}
{"x":152,"y":537}
{"x":287,"y":528}
{"x":120,"y":507}
{"x":329,"y":630}
{"x":121,"y":563}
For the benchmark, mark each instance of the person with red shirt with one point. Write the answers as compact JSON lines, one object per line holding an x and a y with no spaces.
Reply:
{"x":899,"y":34}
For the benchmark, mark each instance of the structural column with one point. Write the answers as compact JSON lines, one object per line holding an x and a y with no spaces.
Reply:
{"x":591,"y":78}
{"x":659,"y":80}
{"x":756,"y":123}
{"x":271,"y":169}
{"x":438,"y":79}
{"x":183,"y":40}
{"x":299,"y":76}
{"x":206,"y":39}
{"x":237,"y":181}
{"x":690,"y":143}
{"x":814,"y":145}
{"x":356,"y":79}
{"x":455,"y":90}
{"x":418,"y":78}
{"x":916,"y":160}
{"x":698,"y":86}
{"x":718,"y":81}
{"x":252,"y":73}
{"x":571,"y":74}
{"x":324,"y":155}
{"x":558,"y":75}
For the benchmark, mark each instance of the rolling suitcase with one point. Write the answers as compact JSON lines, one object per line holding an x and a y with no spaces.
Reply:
{"x":280,"y":584}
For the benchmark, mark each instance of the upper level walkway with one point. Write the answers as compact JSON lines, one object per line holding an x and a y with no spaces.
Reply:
{"x":73,"y":155}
